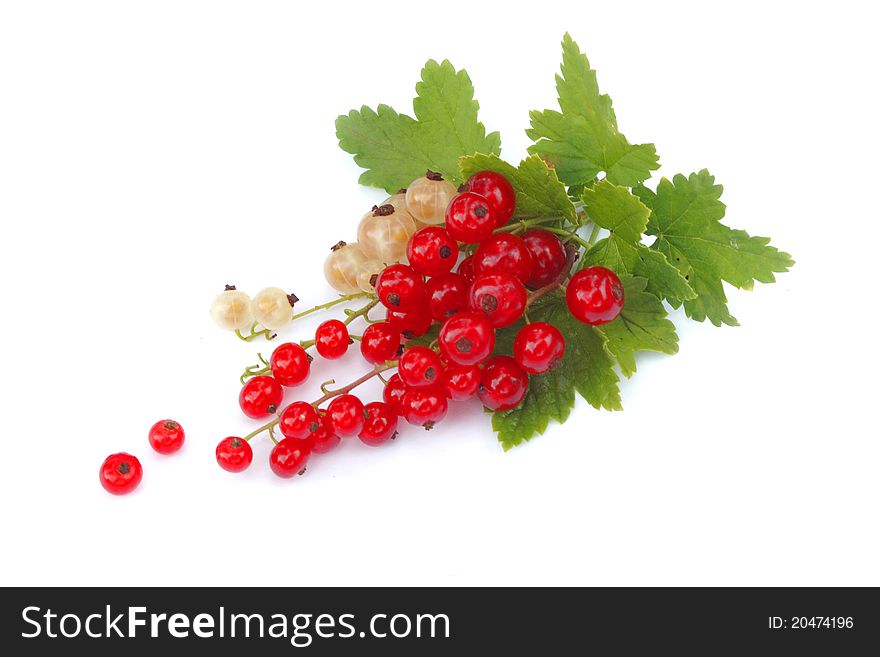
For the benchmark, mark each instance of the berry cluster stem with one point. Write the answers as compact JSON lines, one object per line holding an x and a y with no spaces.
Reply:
{"x":351,"y":315}
{"x":330,"y":304}
{"x":571,"y":254}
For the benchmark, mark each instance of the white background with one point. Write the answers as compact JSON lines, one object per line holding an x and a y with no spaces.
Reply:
{"x":151,"y":152}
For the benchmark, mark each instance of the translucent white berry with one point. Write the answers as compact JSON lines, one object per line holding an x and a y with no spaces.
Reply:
{"x":397,"y":200}
{"x":384,"y":232}
{"x":427,"y":198}
{"x":232,"y":310}
{"x":272,"y":308}
{"x":365,"y":276}
{"x":342,"y":266}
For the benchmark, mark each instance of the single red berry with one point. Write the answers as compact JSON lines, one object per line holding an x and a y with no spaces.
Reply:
{"x":120,"y":473}
{"x":324,"y":440}
{"x":400,"y":288}
{"x":506,"y":253}
{"x":469,"y":218}
{"x":290,"y":364}
{"x":548,"y":256}
{"x":500,"y":297}
{"x":234,"y":454}
{"x":380,"y":342}
{"x":166,"y":436}
{"x":393,"y":393}
{"x":289,"y":457}
{"x":595,"y":295}
{"x":346,"y":414}
{"x":425,"y":406}
{"x":380,"y":424}
{"x":332,"y":339}
{"x":466,"y":269}
{"x":502,"y":384}
{"x":299,"y":420}
{"x":447,"y":295}
{"x":466,"y":338}
{"x":462,"y":381}
{"x":420,"y":366}
{"x":538,"y":347}
{"x":410,"y":323}
{"x":498,"y":191}
{"x":431,"y":251}
{"x":260,"y":396}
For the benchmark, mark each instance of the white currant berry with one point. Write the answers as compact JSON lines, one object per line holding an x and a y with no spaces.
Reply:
{"x":232,"y":309}
{"x":427,"y":198}
{"x":384,"y":232}
{"x":272,"y":308}
{"x":398,"y":200}
{"x":368,"y":271}
{"x":342,"y":266}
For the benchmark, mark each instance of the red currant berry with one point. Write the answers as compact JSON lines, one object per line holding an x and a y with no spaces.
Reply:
{"x":548,"y":256}
{"x":400,"y":288}
{"x":538,"y":347}
{"x":419,"y":366}
{"x":469,"y":218}
{"x":299,"y":421}
{"x":166,"y":436}
{"x":594,"y":295}
{"x":410,"y":323}
{"x":502,"y":384}
{"x":261,"y":396}
{"x":393,"y":393}
{"x":466,"y":338}
{"x":431,"y":251}
{"x":290,"y":364}
{"x":380,"y":425}
{"x":498,"y":191}
{"x":346,"y":414}
{"x":500,"y":297}
{"x":462,"y":381}
{"x":332,"y":339}
{"x":466,"y":269}
{"x":289,"y":457}
{"x":324,"y":440}
{"x":425,"y":406}
{"x":120,"y":473}
{"x":380,"y":342}
{"x":234,"y":454}
{"x":447,"y":295}
{"x":504,"y":253}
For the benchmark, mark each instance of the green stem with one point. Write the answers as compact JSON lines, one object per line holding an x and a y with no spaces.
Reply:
{"x":522,"y":225}
{"x":330,"y":304}
{"x":254,"y":333}
{"x":594,"y":235}
{"x":362,"y":312}
{"x":569,"y":235}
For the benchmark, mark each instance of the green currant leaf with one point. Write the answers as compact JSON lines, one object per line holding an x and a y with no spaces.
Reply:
{"x":395,"y":149}
{"x":641,"y":326}
{"x":539,"y":193}
{"x":686,"y":218}
{"x":587,"y":368}
{"x":616,"y":208}
{"x":582,"y":139}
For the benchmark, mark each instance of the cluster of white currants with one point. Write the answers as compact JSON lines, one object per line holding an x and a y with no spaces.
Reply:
{"x":384,"y":232}
{"x":234,"y":310}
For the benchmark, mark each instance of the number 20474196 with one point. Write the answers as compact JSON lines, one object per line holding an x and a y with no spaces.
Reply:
{"x":810,"y":623}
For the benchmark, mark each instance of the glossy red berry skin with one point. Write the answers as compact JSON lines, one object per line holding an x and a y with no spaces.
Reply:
{"x":260,"y":396}
{"x":346,"y":414}
{"x":419,"y":366}
{"x":399,"y":287}
{"x":380,"y":342}
{"x":324,"y":439}
{"x":466,"y":269}
{"x":470,"y":218}
{"x":120,"y":473}
{"x":289,"y":457}
{"x":332,"y":339}
{"x":393,"y":393}
{"x":504,"y":253}
{"x":299,"y":421}
{"x":447,"y":295}
{"x":425,"y":406}
{"x":498,"y":191}
{"x":290,"y":364}
{"x":234,"y":454}
{"x":500,"y":297}
{"x":432,"y":251}
{"x":595,"y":295}
{"x":462,"y":381}
{"x":467,"y":338}
{"x":166,"y":436}
{"x":503,"y":384}
{"x":410,"y":323}
{"x":538,"y":347}
{"x":380,"y":425}
{"x":548,"y":256}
